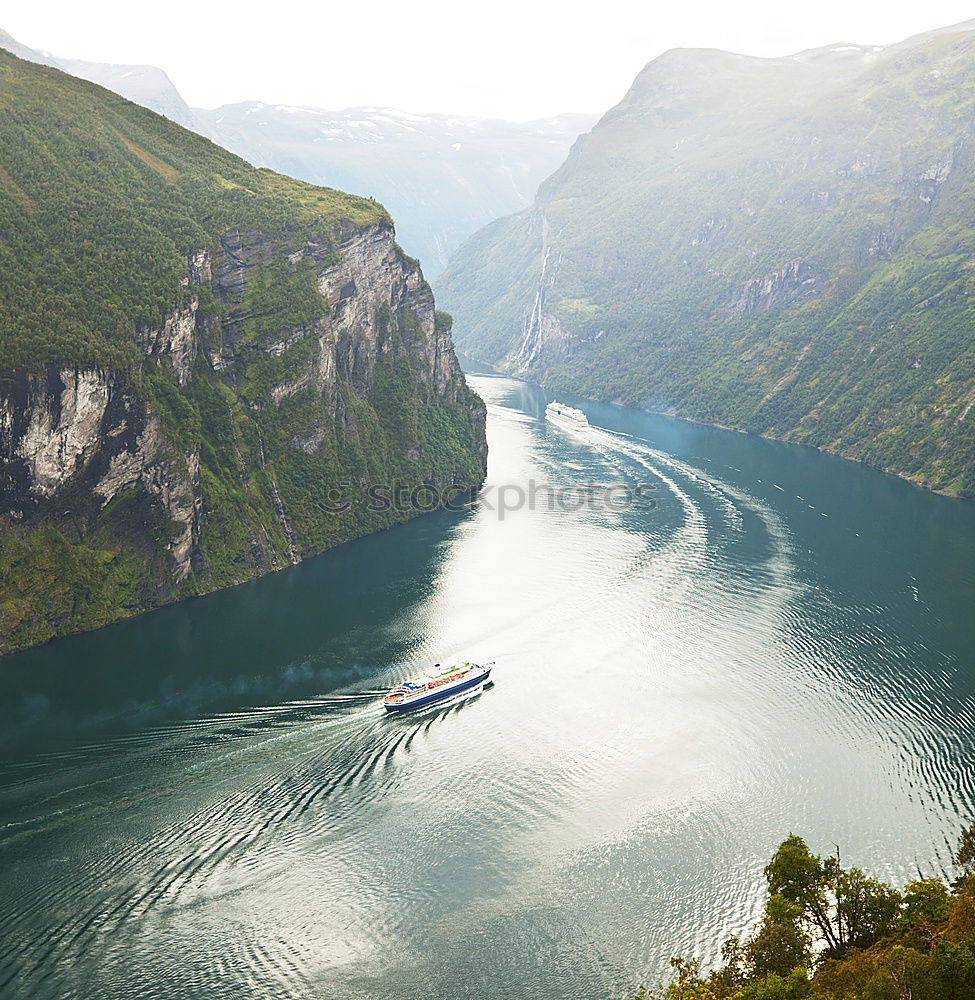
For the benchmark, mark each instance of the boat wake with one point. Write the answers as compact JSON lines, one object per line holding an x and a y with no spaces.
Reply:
{"x":683,"y":685}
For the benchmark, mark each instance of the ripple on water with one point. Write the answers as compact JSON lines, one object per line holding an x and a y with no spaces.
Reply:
{"x":677,"y":689}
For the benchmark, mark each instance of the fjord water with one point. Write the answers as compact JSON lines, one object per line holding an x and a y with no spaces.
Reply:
{"x":209,"y":802}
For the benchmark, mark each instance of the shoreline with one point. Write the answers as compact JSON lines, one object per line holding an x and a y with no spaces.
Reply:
{"x":674,"y":415}
{"x":7,"y":654}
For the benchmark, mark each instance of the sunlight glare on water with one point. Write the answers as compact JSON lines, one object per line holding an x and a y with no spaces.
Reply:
{"x":210,"y":801}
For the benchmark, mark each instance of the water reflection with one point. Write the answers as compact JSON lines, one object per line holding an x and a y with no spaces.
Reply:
{"x":210,"y":799}
{"x":320,"y":626}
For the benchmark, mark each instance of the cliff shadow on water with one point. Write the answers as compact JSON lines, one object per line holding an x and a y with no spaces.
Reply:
{"x":336,"y":621}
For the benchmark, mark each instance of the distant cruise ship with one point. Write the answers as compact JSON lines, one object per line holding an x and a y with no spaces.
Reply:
{"x":567,"y":416}
{"x":425,"y":690}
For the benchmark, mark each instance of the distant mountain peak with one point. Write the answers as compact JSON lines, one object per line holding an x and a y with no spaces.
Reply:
{"x":8,"y":42}
{"x":149,"y":86}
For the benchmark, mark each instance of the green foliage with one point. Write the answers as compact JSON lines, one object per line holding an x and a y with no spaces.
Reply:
{"x":866,"y":910}
{"x":793,"y":985}
{"x":953,"y":966}
{"x":846,"y":908}
{"x":280,"y":295}
{"x":101,"y":200}
{"x":965,"y":856}
{"x":780,"y":944}
{"x":687,"y":983}
{"x":872,"y":942}
{"x":927,"y":904}
{"x":796,"y":875}
{"x":780,"y":246}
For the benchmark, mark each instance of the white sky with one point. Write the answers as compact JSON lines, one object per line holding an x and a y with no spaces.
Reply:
{"x":514,"y":59}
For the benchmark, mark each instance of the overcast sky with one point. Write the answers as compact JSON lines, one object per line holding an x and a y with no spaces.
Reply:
{"x":517,"y":59}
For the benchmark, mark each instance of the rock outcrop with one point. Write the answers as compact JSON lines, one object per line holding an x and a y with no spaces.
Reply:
{"x":792,"y":283}
{"x":75,"y":440}
{"x":204,"y":367}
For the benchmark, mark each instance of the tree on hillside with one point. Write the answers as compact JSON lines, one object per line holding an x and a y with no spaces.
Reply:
{"x":780,"y":944}
{"x":965,"y":855}
{"x":927,"y":905}
{"x":844,"y":908}
{"x":866,"y":910}
{"x":796,"y":874}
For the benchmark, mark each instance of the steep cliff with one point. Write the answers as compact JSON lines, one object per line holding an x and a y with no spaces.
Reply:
{"x":780,"y":245}
{"x":203,"y":367}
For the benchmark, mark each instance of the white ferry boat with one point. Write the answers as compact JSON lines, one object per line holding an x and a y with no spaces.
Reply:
{"x":441,"y":684}
{"x":567,"y":416}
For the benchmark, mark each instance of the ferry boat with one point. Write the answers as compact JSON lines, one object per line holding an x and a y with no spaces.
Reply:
{"x":566,"y":416}
{"x":440,"y":684}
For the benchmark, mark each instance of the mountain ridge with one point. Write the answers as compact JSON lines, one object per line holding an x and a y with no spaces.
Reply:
{"x":442,"y":176}
{"x":199,"y":360}
{"x":775,"y":245}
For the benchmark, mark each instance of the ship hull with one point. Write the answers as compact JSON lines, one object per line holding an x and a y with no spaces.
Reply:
{"x":567,"y":424}
{"x":435,"y":696}
{"x":566,"y":416}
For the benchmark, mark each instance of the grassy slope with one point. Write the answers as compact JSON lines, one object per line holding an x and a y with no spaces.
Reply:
{"x":717,"y":170}
{"x":100,"y":200}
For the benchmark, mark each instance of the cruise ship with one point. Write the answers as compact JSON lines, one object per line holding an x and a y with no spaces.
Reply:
{"x":566,"y":416}
{"x":440,"y":684}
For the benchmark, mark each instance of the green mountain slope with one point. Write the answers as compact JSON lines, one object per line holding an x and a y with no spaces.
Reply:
{"x":102,"y":200}
{"x":784,"y":246}
{"x":442,"y":176}
{"x":203,"y":365}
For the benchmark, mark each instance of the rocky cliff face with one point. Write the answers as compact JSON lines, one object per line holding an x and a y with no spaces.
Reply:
{"x":204,"y":367}
{"x":99,"y":460}
{"x":80,"y":436}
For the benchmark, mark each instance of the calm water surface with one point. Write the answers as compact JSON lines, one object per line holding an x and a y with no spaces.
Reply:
{"x":209,"y":802}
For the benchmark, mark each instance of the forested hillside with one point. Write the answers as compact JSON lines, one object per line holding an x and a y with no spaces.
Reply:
{"x":194,"y":356}
{"x":784,"y":246}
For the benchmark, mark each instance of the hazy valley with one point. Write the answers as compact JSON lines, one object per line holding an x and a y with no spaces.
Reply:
{"x":332,"y":668}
